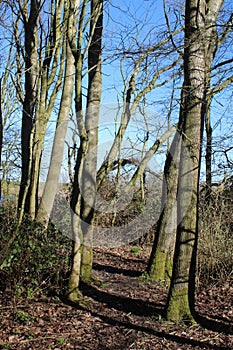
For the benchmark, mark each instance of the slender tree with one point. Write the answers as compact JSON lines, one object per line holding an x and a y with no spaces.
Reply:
{"x":31,"y":22}
{"x":51,"y":185}
{"x":39,"y":71}
{"x":215,"y":40}
{"x":84,"y":187}
{"x":180,"y":304}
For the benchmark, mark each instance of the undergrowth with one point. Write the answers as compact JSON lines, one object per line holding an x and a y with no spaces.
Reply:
{"x":37,"y":260}
{"x":215,"y":256}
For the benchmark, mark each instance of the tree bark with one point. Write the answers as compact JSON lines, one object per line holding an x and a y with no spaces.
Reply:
{"x":51,"y":186}
{"x":48,"y":70}
{"x":84,"y":187}
{"x":31,"y":94}
{"x":180,"y":303}
{"x":212,"y":43}
{"x":161,"y":258}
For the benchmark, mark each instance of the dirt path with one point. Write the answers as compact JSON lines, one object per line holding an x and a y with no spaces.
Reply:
{"x":123,"y":312}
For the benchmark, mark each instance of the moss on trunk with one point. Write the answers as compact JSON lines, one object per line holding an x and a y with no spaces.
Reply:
{"x":86,"y":267}
{"x":73,"y":293}
{"x":161,"y":267}
{"x":178,"y":308}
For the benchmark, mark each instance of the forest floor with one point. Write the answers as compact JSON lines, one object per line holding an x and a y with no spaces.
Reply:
{"x":122,"y":312}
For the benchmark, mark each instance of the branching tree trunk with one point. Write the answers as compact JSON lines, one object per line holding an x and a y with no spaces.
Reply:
{"x":43,"y":76}
{"x":50,"y":66}
{"x":131,"y":103}
{"x":50,"y":189}
{"x":84,"y":191}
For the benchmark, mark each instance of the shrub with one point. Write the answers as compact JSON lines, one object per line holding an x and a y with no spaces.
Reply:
{"x":215,"y":258}
{"x":37,"y":259}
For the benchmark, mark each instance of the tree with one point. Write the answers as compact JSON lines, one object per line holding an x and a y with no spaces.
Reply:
{"x":51,"y":185}
{"x":180,"y":303}
{"x":42,"y":57}
{"x":84,"y":187}
{"x":31,"y":22}
{"x":161,"y":259}
{"x":144,"y":76}
{"x":9,"y":130}
{"x":215,"y":39}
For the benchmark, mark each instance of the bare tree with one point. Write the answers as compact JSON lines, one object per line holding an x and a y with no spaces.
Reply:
{"x":39,"y":70}
{"x":215,"y":40}
{"x":161,"y":259}
{"x":51,"y":185}
{"x":31,"y":22}
{"x":180,"y":303}
{"x":84,"y":187}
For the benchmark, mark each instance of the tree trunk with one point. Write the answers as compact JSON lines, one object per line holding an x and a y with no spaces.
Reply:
{"x":84,"y":187}
{"x":180,"y":303}
{"x":160,"y":263}
{"x":92,"y":121}
{"x":50,"y":189}
{"x":73,"y":292}
{"x":42,"y":81}
{"x":212,"y":43}
{"x":30,"y":99}
{"x":161,"y":258}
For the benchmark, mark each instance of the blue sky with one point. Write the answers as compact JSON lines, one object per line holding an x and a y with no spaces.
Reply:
{"x":128,"y":24}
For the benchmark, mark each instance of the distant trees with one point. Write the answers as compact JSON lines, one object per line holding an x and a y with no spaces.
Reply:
{"x":9,"y":127}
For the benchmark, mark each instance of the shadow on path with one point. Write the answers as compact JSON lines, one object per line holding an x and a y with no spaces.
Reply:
{"x":161,"y":334}
{"x":114,"y":270}
{"x":127,"y":305}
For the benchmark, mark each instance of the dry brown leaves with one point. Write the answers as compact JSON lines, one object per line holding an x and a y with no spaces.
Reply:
{"x":124,"y":313}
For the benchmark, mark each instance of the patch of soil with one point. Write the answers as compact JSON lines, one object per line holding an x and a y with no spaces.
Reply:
{"x":121,"y":312}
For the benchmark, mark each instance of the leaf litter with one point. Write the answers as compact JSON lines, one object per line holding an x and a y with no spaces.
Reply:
{"x":122,"y":312}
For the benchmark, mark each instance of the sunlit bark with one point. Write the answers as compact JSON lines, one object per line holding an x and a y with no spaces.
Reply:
{"x":84,"y":186}
{"x":51,"y":186}
{"x":180,"y":304}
